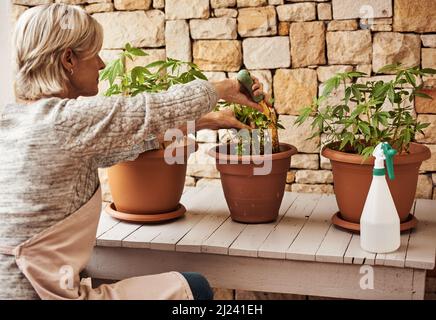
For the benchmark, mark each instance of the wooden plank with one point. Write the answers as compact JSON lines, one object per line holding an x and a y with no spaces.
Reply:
{"x":106,"y":222}
{"x":197,"y":205}
{"x":418,"y":292}
{"x":356,"y":255}
{"x":314,"y":231}
{"x":142,"y":237}
{"x":397,"y":258}
{"x":422,"y":243}
{"x":281,"y":238}
{"x":114,"y":237}
{"x":256,"y":274}
{"x":253,"y":235}
{"x":214,"y":217}
{"x":334,"y":245}
{"x":223,"y":237}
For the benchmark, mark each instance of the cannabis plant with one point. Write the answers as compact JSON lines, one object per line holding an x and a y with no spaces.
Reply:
{"x":369,"y":112}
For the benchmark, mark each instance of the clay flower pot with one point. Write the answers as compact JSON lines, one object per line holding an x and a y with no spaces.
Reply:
{"x":352,"y":180}
{"x":253,"y":198}
{"x":149,"y":189}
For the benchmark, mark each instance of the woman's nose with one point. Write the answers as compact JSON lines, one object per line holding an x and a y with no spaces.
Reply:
{"x":102,"y":64}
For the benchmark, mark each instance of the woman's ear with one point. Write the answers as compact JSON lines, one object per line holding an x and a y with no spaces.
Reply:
{"x":69,"y":61}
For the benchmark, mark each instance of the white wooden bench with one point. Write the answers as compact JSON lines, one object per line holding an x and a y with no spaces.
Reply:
{"x":301,"y":253}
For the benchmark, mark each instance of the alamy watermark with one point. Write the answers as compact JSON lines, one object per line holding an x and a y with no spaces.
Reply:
{"x":249,"y":147}
{"x":366,"y":281}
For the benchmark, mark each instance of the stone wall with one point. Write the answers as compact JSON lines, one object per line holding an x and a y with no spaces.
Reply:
{"x":292,"y":46}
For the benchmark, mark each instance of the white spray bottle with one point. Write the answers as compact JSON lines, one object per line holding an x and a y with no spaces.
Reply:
{"x":380,"y":223}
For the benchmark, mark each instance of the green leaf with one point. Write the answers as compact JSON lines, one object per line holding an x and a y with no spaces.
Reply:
{"x":137,"y":52}
{"x":357,"y":94}
{"x":389,"y":68}
{"x":428,"y":71}
{"x":422,"y":95}
{"x":364,"y":127}
{"x":410,"y":78}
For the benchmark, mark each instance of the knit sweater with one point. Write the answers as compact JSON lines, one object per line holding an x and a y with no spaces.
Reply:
{"x":50,"y":152}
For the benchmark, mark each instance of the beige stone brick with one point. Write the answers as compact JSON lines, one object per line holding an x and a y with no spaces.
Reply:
{"x":266,"y":53}
{"x":326,"y":72}
{"x":298,"y":135}
{"x":218,"y":55}
{"x":225,"y":12}
{"x":424,"y":189}
{"x":159,"y":4}
{"x":251,"y":3}
{"x":424,"y":105}
{"x":213,"y":28}
{"x":290,"y":176}
{"x":31,"y":2}
{"x":342,"y":25}
{"x":349,"y":47}
{"x":200,"y":164}
{"x":222,"y":3}
{"x":178,"y":41}
{"x":132,"y":4}
{"x":324,"y":11}
{"x":305,"y":161}
{"x":430,"y":164}
{"x":294,"y":89}
{"x":391,"y":47}
{"x":99,"y":7}
{"x":139,"y":28}
{"x":414,"y":16}
{"x":255,"y":22}
{"x":429,"y":58}
{"x":283,"y":28}
{"x":430,"y":131}
{"x":350,"y":9}
{"x":297,"y":12}
{"x":307,"y":43}
{"x":429,"y":40}
{"x":314,"y":176}
{"x":186,"y":9}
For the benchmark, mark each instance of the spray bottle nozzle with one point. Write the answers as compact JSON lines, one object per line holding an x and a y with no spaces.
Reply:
{"x":389,"y":154}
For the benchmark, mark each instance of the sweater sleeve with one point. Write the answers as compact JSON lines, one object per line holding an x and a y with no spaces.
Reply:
{"x":114,"y":129}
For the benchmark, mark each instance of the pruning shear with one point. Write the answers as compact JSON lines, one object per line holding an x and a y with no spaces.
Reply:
{"x":246,"y":81}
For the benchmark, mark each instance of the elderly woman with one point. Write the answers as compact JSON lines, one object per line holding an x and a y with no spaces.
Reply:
{"x":52,"y":143}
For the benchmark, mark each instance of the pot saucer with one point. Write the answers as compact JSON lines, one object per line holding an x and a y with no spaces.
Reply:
{"x":145,"y":218}
{"x":337,"y":220}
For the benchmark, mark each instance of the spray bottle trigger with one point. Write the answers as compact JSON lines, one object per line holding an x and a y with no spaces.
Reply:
{"x":389,"y":154}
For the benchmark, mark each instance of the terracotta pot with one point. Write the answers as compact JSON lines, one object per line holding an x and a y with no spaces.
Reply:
{"x":253,"y":198}
{"x":352,"y":180}
{"x":148,"y":185}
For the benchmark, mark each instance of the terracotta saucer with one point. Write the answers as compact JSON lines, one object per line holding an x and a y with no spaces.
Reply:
{"x":144,"y":218}
{"x":337,"y":220}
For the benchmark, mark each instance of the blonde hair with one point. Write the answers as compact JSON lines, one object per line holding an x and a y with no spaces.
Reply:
{"x":41,"y":36}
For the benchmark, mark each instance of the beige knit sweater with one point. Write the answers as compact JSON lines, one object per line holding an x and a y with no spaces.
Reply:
{"x":50,"y":152}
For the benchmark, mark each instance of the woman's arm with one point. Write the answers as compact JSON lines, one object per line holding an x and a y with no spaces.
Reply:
{"x":114,"y":129}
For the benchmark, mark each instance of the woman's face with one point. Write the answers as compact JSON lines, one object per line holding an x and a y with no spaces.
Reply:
{"x":84,"y":80}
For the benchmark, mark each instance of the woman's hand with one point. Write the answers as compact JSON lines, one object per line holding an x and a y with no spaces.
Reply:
{"x":230,"y":91}
{"x":223,"y":119}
